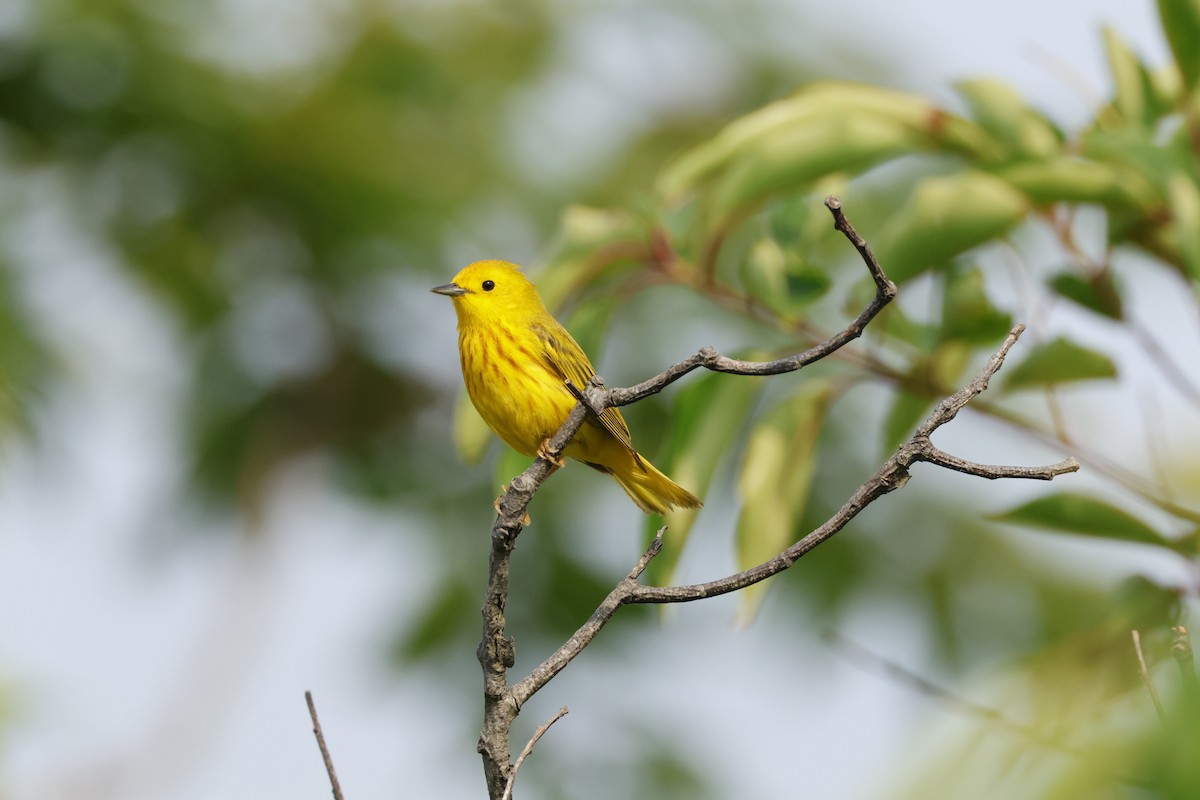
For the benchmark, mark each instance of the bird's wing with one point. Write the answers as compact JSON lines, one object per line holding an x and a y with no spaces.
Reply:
{"x":566,"y":359}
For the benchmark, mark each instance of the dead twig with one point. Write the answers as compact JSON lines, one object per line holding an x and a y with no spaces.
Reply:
{"x":333,"y":780}
{"x":533,"y":740}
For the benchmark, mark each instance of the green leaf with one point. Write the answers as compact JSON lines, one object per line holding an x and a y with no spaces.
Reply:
{"x":1070,"y":179}
{"x":967,"y":311}
{"x":1072,"y":512}
{"x":1129,"y":88}
{"x":1097,"y":293}
{"x":796,"y":156}
{"x":1140,"y":162}
{"x":705,"y":419}
{"x":1184,"y":197}
{"x":773,"y":130}
{"x":776,"y":475}
{"x":586,"y":233}
{"x":1059,"y":361}
{"x":998,"y":108}
{"x":824,"y":129}
{"x":779,"y":280}
{"x":1181,"y":25}
{"x":806,"y":284}
{"x":946,"y":216}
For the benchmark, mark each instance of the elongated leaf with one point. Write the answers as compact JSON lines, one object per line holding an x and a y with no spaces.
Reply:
{"x":1130,"y":94}
{"x":1059,"y":361}
{"x":945,"y":217}
{"x":1072,"y":512}
{"x":777,"y":473}
{"x":1097,"y":293}
{"x":779,"y":280}
{"x":796,"y":156}
{"x":1184,"y":197}
{"x":1070,"y":179}
{"x":907,"y":117}
{"x":1000,"y":110}
{"x":967,"y":311}
{"x":1181,"y":24}
{"x":707,"y":416}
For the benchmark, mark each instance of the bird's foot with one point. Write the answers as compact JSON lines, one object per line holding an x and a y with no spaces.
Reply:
{"x":544,"y":453}
{"x":526,"y":521}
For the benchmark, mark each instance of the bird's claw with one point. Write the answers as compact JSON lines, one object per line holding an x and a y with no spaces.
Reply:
{"x":526,"y":521}
{"x":545,"y":454}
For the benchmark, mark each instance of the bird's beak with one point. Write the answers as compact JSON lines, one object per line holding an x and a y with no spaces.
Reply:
{"x":450,"y":290}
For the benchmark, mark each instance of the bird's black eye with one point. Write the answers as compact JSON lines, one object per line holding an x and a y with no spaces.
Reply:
{"x":489,"y":285}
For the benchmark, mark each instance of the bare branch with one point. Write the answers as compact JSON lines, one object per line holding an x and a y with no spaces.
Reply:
{"x":654,"y":549}
{"x":512,"y":778}
{"x":1145,"y":673}
{"x":709,"y":358}
{"x":893,"y":475}
{"x":949,"y":408}
{"x":333,"y":781}
{"x":994,"y":472}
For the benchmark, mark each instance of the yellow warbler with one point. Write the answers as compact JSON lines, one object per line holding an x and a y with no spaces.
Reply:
{"x":516,"y":359}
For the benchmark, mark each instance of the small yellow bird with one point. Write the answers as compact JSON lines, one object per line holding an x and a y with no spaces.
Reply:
{"x":516,"y":359}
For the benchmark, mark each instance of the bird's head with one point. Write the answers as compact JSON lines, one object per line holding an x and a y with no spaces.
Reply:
{"x":490,"y":291}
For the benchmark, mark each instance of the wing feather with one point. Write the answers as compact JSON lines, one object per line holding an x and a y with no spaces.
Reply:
{"x":566,"y":359}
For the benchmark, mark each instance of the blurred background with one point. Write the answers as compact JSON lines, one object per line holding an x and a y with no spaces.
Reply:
{"x":235,"y":463}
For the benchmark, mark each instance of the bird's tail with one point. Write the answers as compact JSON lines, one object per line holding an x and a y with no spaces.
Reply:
{"x":653,"y":492}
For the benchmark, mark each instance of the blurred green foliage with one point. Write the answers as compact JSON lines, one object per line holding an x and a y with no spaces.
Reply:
{"x":258,"y":206}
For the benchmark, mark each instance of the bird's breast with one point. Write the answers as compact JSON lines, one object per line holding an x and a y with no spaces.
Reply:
{"x":511,"y":386}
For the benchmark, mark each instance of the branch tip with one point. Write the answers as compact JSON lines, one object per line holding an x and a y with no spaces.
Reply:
{"x":329,"y":770}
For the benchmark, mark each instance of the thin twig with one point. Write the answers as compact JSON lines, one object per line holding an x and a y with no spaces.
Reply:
{"x":512,"y":778}
{"x":333,"y":781}
{"x":1145,"y":673}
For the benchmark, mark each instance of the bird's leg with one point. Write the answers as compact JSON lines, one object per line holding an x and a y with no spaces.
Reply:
{"x":554,"y":461}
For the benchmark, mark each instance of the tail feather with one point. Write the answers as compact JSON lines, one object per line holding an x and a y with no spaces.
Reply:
{"x":652,"y":491}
